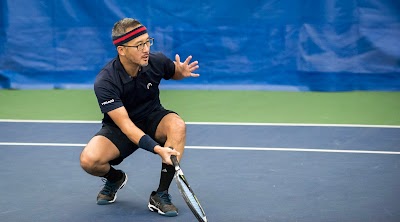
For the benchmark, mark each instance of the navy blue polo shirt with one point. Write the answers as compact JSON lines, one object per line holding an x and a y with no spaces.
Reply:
{"x":114,"y":87}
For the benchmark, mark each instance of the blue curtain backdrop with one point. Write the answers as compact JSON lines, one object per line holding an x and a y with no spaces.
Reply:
{"x":308,"y":45}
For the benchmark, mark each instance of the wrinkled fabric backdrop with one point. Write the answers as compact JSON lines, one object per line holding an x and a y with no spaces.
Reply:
{"x":336,"y":45}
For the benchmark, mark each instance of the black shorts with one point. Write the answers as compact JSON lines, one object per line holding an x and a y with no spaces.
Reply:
{"x":125,"y":146}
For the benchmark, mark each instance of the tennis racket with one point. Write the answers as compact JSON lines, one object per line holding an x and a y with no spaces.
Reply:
{"x":187,"y":192}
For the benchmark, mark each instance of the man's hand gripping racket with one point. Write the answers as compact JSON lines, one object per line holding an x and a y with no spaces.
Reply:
{"x":187,"y":192}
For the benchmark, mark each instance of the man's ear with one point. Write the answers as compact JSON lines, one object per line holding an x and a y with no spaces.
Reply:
{"x":120,"y":50}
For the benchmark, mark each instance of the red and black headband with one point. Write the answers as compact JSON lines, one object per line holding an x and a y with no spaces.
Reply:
{"x":122,"y":39}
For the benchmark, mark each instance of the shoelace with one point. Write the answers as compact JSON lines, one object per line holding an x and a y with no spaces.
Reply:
{"x":166,"y":198}
{"x":108,"y":187}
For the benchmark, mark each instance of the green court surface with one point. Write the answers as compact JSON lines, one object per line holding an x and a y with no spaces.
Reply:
{"x":359,"y":107}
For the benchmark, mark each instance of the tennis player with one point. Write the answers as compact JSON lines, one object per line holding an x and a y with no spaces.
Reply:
{"x":127,"y":90}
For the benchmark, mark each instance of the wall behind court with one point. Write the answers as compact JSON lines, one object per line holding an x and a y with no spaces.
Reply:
{"x":335,"y":45}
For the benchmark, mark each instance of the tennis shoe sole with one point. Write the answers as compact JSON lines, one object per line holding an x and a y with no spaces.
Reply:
{"x":156,"y":209}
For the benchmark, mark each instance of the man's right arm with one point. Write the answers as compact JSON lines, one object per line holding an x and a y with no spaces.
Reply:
{"x":121,"y":119}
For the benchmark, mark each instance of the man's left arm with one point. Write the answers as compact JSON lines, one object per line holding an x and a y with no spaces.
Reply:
{"x":185,"y":69}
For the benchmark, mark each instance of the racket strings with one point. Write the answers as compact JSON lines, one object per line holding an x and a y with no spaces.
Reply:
{"x":192,"y":199}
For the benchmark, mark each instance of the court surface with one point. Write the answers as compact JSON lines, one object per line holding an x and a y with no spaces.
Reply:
{"x":240,"y":172}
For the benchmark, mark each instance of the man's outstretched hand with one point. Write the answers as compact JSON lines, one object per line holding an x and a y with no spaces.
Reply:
{"x":185,"y":69}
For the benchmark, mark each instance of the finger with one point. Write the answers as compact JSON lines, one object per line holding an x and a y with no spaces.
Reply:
{"x":194,"y":75}
{"x":193,"y":68}
{"x":172,"y":151}
{"x":193,"y":63}
{"x":169,"y":162}
{"x":176,"y":153}
{"x":188,"y":59}
{"x":177,"y":59}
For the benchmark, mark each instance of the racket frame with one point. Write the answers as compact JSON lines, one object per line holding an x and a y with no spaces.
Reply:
{"x":181,"y":181}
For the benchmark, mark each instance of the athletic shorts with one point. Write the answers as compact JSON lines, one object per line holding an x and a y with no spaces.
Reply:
{"x":125,"y":146}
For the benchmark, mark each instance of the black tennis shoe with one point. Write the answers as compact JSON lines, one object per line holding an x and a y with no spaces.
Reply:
{"x":161,"y":202}
{"x":108,"y":194}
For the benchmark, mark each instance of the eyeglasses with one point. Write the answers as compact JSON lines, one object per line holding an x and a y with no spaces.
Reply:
{"x":140,"y":46}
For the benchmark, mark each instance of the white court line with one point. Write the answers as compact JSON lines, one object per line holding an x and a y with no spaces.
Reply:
{"x":46,"y":121}
{"x":41,"y":144}
{"x":292,"y":124}
{"x":220,"y":148}
{"x":214,"y":123}
{"x":291,"y":149}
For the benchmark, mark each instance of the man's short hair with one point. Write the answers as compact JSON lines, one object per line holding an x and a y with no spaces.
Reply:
{"x":122,"y":25}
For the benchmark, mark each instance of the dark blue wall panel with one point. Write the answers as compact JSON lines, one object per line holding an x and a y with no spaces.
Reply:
{"x":304,"y":45}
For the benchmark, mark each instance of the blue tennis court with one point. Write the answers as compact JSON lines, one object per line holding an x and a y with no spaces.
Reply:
{"x":240,"y":172}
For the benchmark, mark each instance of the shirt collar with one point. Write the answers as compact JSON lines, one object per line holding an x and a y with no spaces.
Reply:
{"x":121,"y":71}
{"x":124,"y":75}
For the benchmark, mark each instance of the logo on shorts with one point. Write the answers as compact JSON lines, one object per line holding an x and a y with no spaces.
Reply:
{"x":107,"y":102}
{"x":148,"y":85}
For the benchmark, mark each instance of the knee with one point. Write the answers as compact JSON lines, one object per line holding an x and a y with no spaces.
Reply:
{"x":179,"y":126}
{"x":87,"y":161}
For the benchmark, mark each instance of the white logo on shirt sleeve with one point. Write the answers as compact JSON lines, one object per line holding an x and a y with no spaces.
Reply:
{"x":107,"y":102}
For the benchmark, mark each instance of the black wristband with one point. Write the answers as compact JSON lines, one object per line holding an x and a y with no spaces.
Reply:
{"x":147,"y":143}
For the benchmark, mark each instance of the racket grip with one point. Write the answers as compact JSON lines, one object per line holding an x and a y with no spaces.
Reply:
{"x":174,"y":160}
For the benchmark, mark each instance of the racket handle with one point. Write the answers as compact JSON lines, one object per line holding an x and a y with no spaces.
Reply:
{"x":174,"y":160}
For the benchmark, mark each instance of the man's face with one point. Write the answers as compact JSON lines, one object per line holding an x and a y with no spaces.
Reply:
{"x":139,"y":53}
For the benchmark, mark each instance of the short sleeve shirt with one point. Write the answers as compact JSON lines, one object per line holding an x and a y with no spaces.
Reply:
{"x":139,"y":95}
